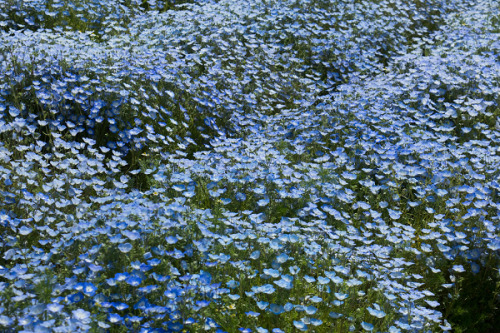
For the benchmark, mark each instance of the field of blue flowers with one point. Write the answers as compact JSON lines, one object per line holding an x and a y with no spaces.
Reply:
{"x":249,"y":166}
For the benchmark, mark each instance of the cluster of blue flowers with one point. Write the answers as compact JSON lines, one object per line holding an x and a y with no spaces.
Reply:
{"x":247,"y":166}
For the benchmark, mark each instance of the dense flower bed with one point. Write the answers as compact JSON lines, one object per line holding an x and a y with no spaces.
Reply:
{"x":249,"y":166}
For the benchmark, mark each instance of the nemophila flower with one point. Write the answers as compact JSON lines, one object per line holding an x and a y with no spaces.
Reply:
{"x":179,"y":187}
{"x":88,"y":289}
{"x":24,"y":230}
{"x":111,"y":282}
{"x":171,"y":239}
{"x":294,"y":270}
{"x":266,"y":289}
{"x":432,"y":303}
{"x":367,"y":326}
{"x":300,"y":325}
{"x":202,"y":303}
{"x":275,"y":244}
{"x":311,"y":279}
{"x":316,"y":299}
{"x":315,"y":321}
{"x":458,"y":268}
{"x":335,"y":315}
{"x":284,"y":283}
{"x":81,"y":315}
{"x":323,"y":280}
{"x":148,"y":289}
{"x":232,"y":284}
{"x":263,"y":202}
{"x":133,"y":280}
{"x":272,"y":272}
{"x":376,"y":312}
{"x":121,"y":276}
{"x":132,"y":235}
{"x":282,"y":258}
{"x":115,"y":238}
{"x":341,"y":296}
{"x":240,"y":196}
{"x":225,"y":201}
{"x":494,"y":245}
{"x":125,"y":247}
{"x":310,"y":310}
{"x":475,"y":268}
{"x":115,"y":318}
{"x":252,"y":314}
{"x":75,"y":298}
{"x":255,"y":255}
{"x":210,"y":323}
{"x":276,"y":309}
{"x":395,"y":215}
{"x":6,"y":321}
{"x":135,"y":319}
{"x":55,"y":307}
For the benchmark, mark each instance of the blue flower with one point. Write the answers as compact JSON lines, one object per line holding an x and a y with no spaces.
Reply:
{"x":316,"y":299}
{"x":294,"y":270}
{"x":75,"y":298}
{"x":171,"y":239}
{"x":266,"y":289}
{"x":310,"y":279}
{"x":282,"y":258}
{"x":120,"y":306}
{"x":376,"y":312}
{"x":125,"y":247}
{"x":133,"y":280}
{"x":115,"y":318}
{"x":89,"y":289}
{"x":272,"y":272}
{"x":341,"y":296}
{"x":262,"y":305}
{"x":24,"y":230}
{"x":55,"y":307}
{"x":276,"y":309}
{"x":6,"y":321}
{"x":263,"y":202}
{"x":252,"y":314}
{"x":255,"y":255}
{"x":300,"y":325}
{"x":284,"y":283}
{"x":310,"y":310}
{"x":132,"y":235}
{"x":81,"y":315}
{"x":205,"y":278}
{"x":323,"y":280}
{"x":335,"y":315}
{"x":458,"y":268}
{"x":202,"y":303}
{"x":432,"y":303}
{"x":367,"y":326}
{"x":316,"y":322}
{"x":395,"y":215}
